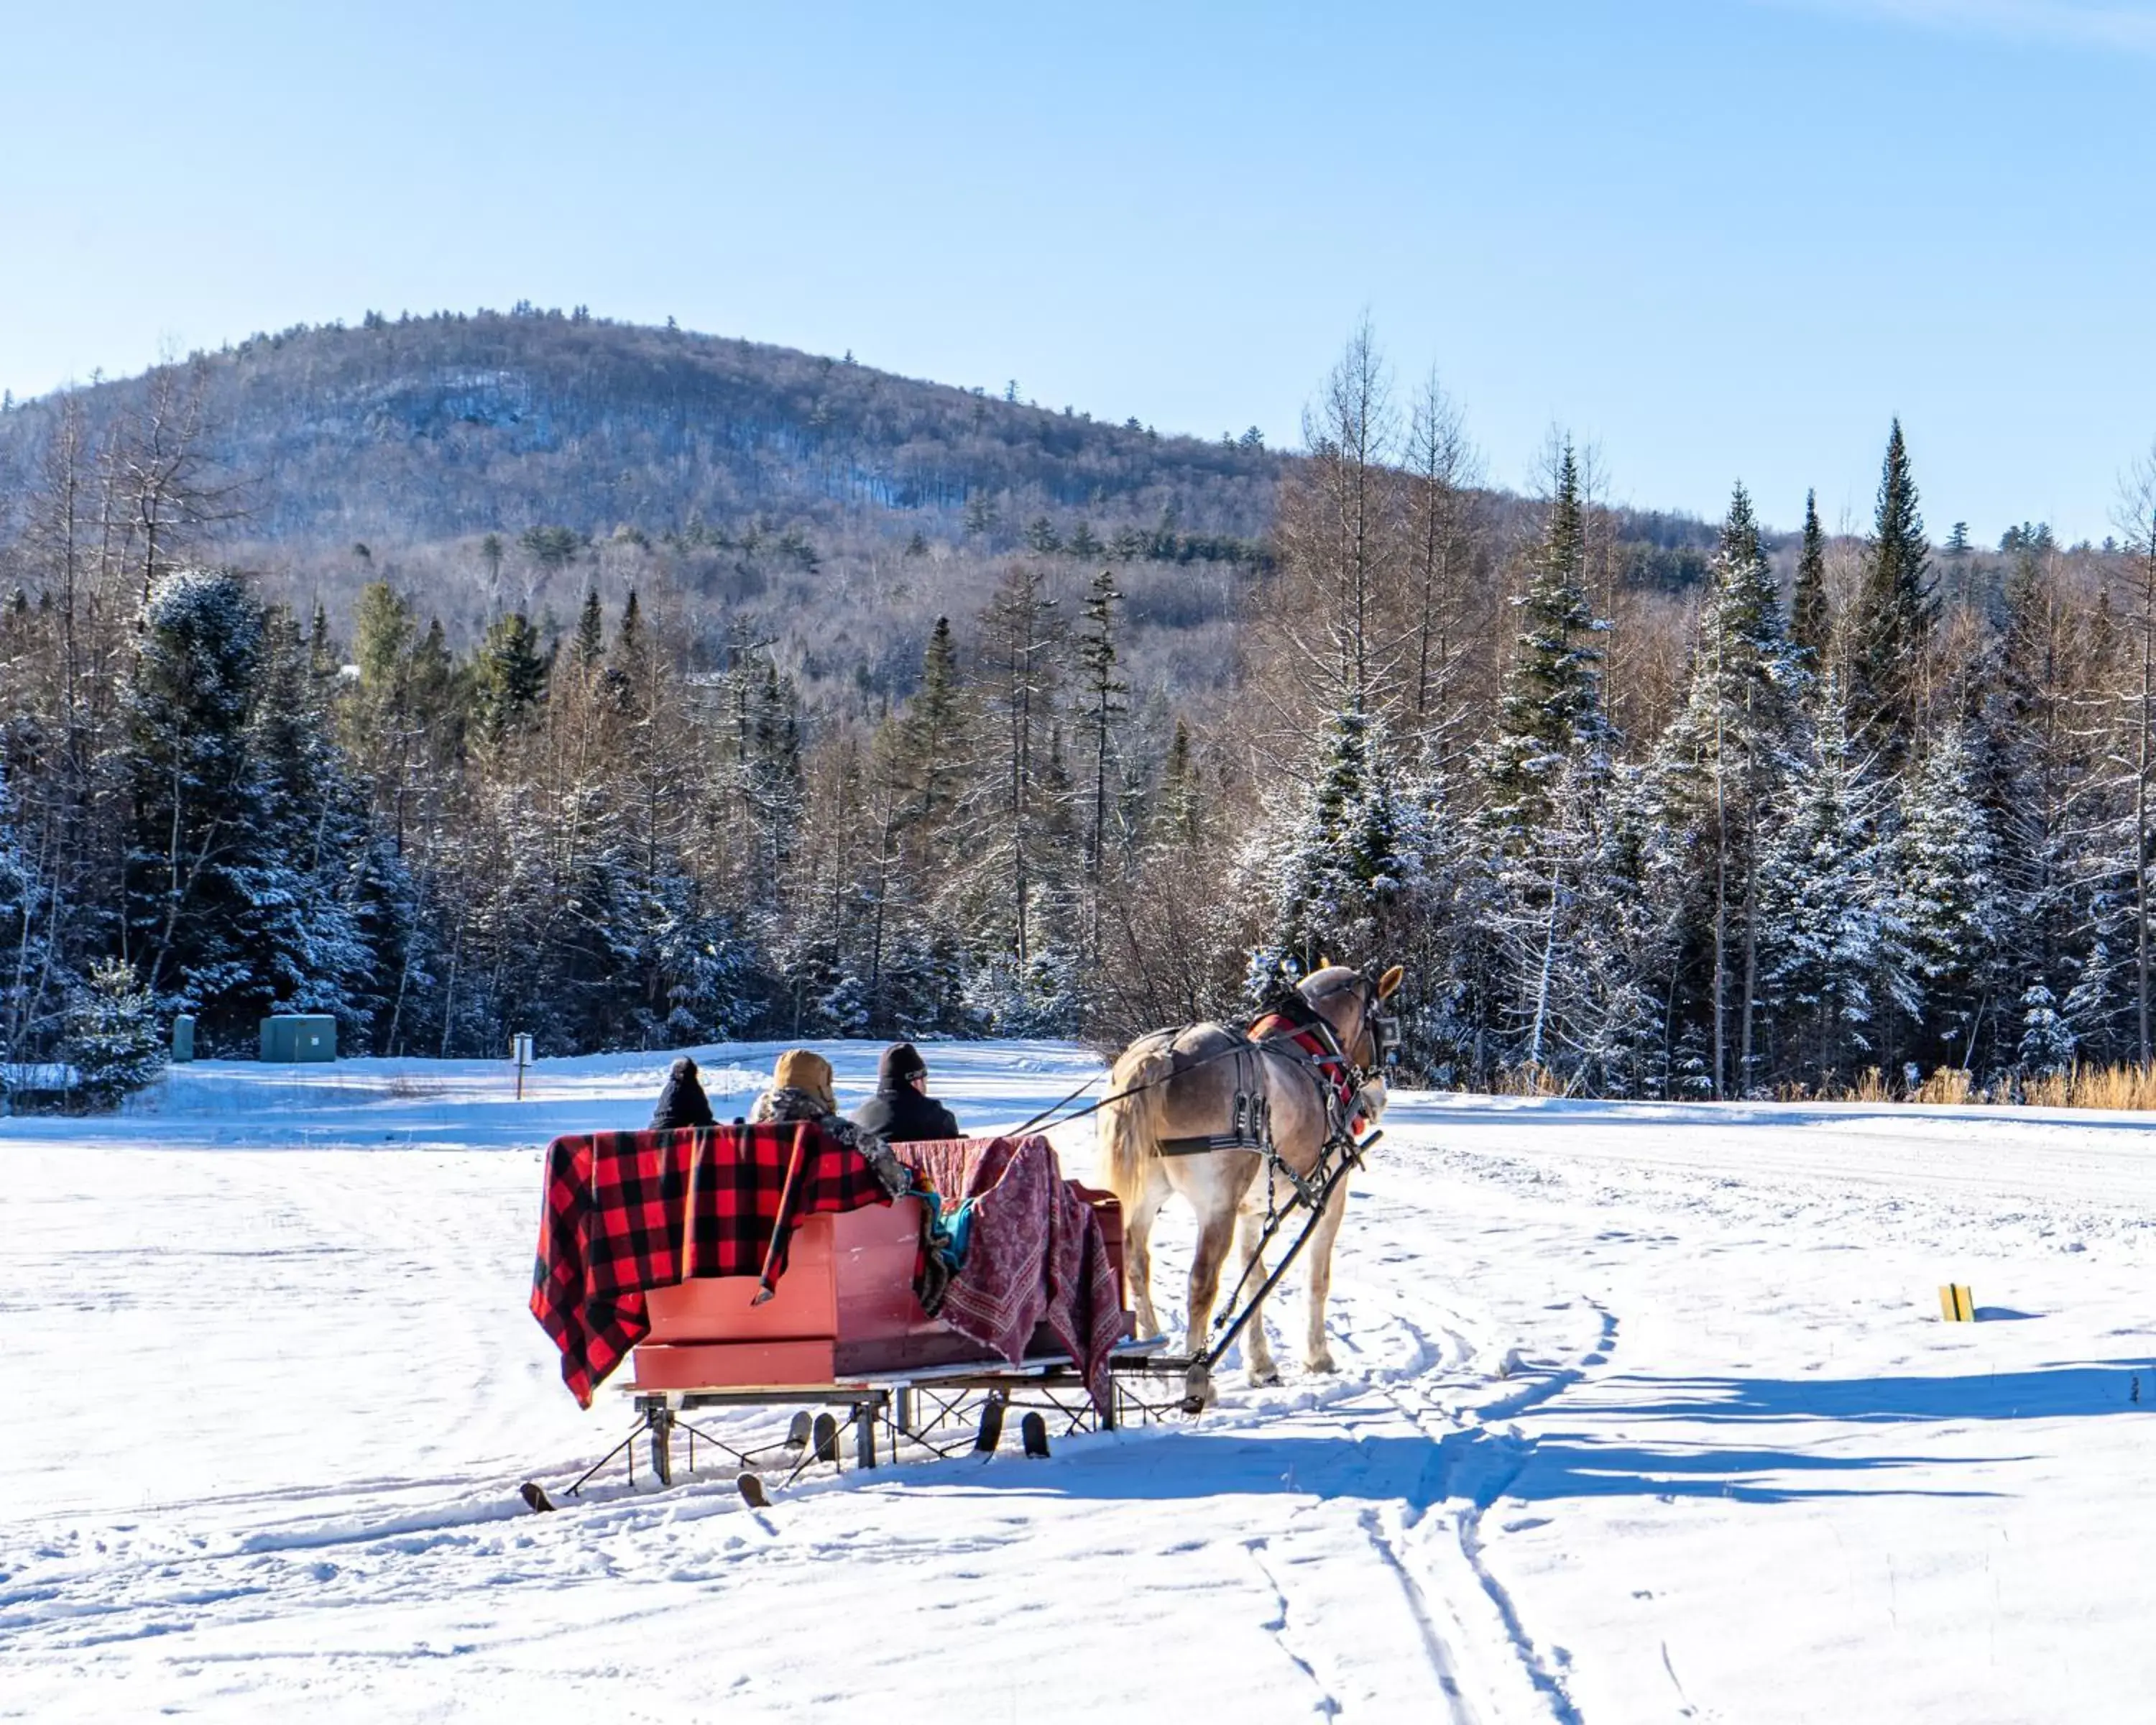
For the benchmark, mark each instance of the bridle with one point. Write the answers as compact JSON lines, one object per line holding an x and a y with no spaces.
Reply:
{"x":1374,"y":1025}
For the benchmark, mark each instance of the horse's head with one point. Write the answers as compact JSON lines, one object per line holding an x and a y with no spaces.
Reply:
{"x":1352,"y":1003}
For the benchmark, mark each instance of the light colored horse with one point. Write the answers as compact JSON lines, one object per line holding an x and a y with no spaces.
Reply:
{"x":1183,"y":1085}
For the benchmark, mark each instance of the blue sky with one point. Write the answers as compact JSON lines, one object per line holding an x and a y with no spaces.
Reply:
{"x":1719,"y":239}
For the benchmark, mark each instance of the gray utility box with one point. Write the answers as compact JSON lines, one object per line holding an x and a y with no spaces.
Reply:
{"x":183,"y":1039}
{"x":299,"y":1036}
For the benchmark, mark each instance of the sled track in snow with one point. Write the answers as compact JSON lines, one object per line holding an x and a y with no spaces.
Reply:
{"x":1434,"y":1545}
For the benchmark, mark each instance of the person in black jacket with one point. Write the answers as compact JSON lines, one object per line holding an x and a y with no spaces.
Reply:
{"x":682,"y":1102}
{"x":901,"y":1111}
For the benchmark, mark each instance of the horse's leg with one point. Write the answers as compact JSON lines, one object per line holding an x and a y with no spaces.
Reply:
{"x":1257,"y":1352}
{"x":1137,"y":1248}
{"x":1316,"y":1354}
{"x":1216,"y":1232}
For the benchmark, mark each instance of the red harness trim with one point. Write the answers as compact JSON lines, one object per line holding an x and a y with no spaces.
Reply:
{"x":1333,"y":1066}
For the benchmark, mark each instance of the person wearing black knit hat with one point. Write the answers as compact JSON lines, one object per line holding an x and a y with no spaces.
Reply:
{"x":682,"y":1102}
{"x":901,"y":1111}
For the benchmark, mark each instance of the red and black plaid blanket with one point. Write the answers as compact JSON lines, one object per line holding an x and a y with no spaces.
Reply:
{"x":612,"y":1224}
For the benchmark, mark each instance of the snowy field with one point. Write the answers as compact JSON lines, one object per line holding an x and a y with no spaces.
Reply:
{"x":1645,"y":1413}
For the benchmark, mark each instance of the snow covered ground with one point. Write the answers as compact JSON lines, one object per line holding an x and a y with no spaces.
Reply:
{"x":1645,"y":1413}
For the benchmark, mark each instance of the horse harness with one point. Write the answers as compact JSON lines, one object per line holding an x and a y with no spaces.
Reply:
{"x":1292,"y":1026}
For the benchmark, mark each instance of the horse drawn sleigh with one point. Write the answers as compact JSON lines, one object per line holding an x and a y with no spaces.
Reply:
{"x":769,"y":1266}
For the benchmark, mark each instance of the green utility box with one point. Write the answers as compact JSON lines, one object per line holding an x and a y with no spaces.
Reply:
{"x":299,"y":1036}
{"x":183,"y":1039}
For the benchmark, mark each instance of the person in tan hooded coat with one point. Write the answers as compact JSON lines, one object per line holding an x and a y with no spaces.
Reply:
{"x":801,"y":1089}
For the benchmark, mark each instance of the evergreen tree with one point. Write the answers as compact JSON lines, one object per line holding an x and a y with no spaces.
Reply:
{"x":508,"y":678}
{"x":1712,"y":786}
{"x":1345,"y":862}
{"x":1890,"y":632}
{"x":2096,"y":1004}
{"x":1811,"y":622}
{"x":438,"y":693}
{"x":1548,"y":773}
{"x":113,"y":1039}
{"x":627,"y":679}
{"x":1604,"y":1020}
{"x":304,"y":913}
{"x":934,"y":731}
{"x":1835,"y":948}
{"x":1103,"y":692}
{"x":246,"y":867}
{"x":591,"y":632}
{"x":2046,"y":1047}
{"x":764,"y":782}
{"x":322,"y":654}
{"x":202,"y":826}
{"x":1953,"y":901}
{"x":1178,"y":816}
{"x":920,"y":766}
{"x":1556,"y":939}
{"x":2041,"y":793}
{"x":1551,"y":709}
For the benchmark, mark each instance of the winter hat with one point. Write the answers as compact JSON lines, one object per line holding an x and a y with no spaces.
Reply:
{"x":901,"y":1063}
{"x":807,"y":1071}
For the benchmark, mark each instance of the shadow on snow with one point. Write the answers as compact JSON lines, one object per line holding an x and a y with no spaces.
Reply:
{"x":1479,"y":1464}
{"x":1476,"y":1464}
{"x":2046,"y":1392}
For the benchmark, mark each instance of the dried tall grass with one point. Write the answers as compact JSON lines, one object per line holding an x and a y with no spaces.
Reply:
{"x":1952,"y":1085}
{"x":1530,"y":1081}
{"x":1871,"y":1087}
{"x":2126,"y":1088}
{"x":2123,"y":1087}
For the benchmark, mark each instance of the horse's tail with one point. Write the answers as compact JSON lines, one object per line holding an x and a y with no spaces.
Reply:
{"x":1128,"y":1136}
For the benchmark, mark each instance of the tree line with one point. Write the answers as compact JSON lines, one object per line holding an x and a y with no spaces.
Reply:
{"x":1835,"y":805}
{"x":627,"y":834}
{"x":1893,"y":816}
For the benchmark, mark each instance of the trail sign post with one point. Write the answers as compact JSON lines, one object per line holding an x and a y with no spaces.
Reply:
{"x":519,"y":1050}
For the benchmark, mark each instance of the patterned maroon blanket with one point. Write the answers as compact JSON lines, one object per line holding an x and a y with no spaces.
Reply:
{"x":613,"y":1225}
{"x":1035,"y":1251}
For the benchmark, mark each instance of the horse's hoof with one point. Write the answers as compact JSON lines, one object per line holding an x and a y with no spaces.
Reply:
{"x":1320,"y":1363}
{"x":1264,"y":1377}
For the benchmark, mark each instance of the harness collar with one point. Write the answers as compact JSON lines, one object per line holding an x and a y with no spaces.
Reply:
{"x":1325,"y":1054}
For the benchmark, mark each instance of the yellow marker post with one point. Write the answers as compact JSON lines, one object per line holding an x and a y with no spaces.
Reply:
{"x":1957,"y":1305}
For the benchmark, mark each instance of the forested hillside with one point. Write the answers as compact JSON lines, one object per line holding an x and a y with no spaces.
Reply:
{"x":513,"y":461}
{"x":460,"y":676}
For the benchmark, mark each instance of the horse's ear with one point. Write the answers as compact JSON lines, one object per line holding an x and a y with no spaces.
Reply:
{"x":1324,"y":962}
{"x":1389,"y":982}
